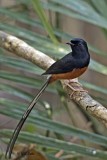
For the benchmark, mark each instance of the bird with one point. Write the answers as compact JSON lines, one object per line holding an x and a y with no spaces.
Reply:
{"x":71,"y":66}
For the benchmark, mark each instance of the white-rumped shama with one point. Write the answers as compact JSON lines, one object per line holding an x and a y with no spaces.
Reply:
{"x":70,"y":66}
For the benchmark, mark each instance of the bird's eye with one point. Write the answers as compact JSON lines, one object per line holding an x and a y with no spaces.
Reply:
{"x":79,"y":44}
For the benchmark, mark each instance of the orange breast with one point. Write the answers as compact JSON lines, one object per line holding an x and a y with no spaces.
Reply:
{"x":69,"y":75}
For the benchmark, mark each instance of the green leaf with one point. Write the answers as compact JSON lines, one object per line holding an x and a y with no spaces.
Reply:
{"x":14,"y":110}
{"x":101,"y":7}
{"x":20,"y":64}
{"x":24,"y":80}
{"x":78,"y":9}
{"x":56,"y":144}
{"x":15,"y":91}
{"x":22,"y":32}
{"x":36,"y":23}
{"x":96,"y":66}
{"x":39,"y":10}
{"x":18,"y":78}
{"x":94,"y":87}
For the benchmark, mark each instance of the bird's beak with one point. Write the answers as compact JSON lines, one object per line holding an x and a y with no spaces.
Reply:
{"x":70,"y":43}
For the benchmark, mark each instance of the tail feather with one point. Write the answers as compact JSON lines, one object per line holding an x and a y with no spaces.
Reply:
{"x":23,"y":119}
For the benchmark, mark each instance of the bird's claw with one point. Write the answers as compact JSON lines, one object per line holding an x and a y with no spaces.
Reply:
{"x":76,"y":90}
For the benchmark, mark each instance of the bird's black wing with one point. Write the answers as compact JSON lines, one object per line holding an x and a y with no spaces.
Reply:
{"x":65,"y":64}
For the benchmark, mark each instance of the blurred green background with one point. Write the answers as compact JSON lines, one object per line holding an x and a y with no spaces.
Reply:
{"x":55,"y":124}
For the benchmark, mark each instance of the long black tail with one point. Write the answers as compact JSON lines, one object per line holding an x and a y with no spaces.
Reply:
{"x":23,"y":119}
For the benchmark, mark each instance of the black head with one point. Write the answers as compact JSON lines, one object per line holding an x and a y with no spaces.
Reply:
{"x":78,"y":42}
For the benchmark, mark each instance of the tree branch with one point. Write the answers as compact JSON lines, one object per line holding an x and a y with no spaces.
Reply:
{"x":81,"y":97}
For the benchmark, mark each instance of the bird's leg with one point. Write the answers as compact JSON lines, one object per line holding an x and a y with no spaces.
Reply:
{"x":74,"y":90}
{"x":77,"y":86}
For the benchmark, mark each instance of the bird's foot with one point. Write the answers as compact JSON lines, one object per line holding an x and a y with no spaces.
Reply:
{"x":76,"y":87}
